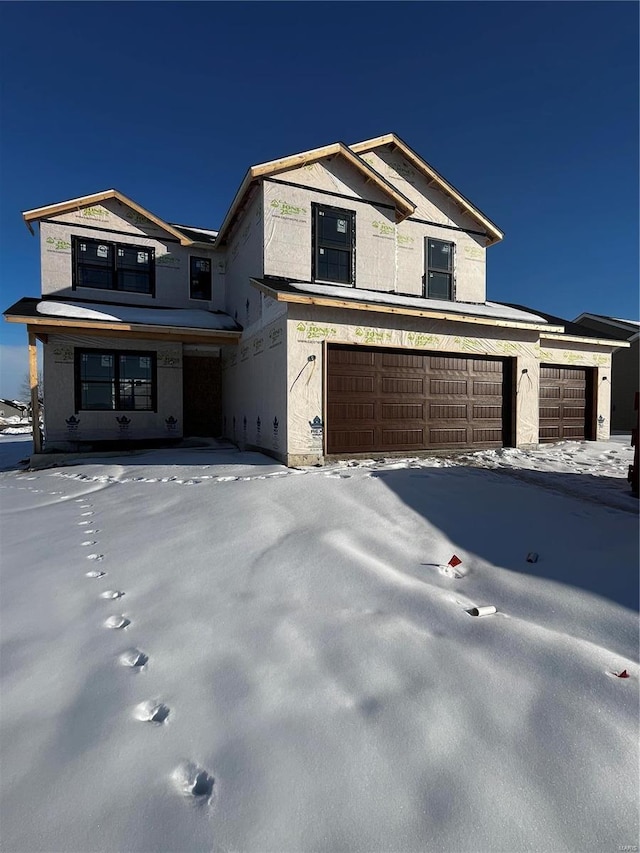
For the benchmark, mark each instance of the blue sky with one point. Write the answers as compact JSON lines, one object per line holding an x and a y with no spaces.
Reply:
{"x":529,"y":109}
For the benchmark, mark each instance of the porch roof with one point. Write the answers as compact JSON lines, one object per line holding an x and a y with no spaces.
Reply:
{"x":56,"y":316}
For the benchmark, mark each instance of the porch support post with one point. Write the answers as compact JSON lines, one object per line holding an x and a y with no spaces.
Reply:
{"x":35,"y":405}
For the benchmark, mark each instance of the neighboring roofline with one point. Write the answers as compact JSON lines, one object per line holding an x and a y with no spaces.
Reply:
{"x":404,"y":206}
{"x":578,"y":339}
{"x":83,"y":201}
{"x":382,"y":308}
{"x":495,"y":234}
{"x":617,"y":324}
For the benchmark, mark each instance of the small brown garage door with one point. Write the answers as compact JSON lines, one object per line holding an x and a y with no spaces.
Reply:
{"x":565,"y":403}
{"x":389,"y":400}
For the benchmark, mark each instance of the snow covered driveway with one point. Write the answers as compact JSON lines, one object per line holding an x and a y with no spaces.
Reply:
{"x":204,"y":651}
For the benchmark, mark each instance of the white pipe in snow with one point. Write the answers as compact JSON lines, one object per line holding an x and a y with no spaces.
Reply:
{"x":486,"y":610}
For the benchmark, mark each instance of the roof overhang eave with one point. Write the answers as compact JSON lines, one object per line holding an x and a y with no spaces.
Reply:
{"x":549,"y":334}
{"x":62,"y":325}
{"x":399,"y":310}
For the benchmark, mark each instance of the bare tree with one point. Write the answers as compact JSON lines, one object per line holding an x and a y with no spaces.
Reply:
{"x":25,"y":387}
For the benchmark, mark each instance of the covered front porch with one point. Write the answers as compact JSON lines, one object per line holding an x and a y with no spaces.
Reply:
{"x":123,"y":375}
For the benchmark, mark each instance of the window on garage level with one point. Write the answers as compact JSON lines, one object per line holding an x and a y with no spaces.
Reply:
{"x":333,"y":240}
{"x":113,"y":266}
{"x":439,"y":274}
{"x":114,"y":380}
{"x":200,"y":278}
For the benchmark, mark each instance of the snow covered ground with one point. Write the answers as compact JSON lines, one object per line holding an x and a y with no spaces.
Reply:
{"x":292,"y":646}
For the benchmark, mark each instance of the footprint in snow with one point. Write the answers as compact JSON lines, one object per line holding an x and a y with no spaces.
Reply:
{"x":193,"y":781}
{"x":86,"y":513}
{"x":96,"y":557}
{"x":112,"y":594}
{"x":134,"y":658}
{"x":117,"y":623}
{"x":88,"y":542}
{"x":152,"y":712}
{"x":95,"y":574}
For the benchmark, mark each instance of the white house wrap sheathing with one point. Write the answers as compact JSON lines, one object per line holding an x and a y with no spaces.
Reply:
{"x":64,"y":424}
{"x":113,"y":221}
{"x":309,"y":328}
{"x":254,"y":394}
{"x":389,"y":257}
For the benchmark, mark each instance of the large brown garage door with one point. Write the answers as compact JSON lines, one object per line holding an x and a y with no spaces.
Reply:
{"x":389,"y":400}
{"x":565,"y":403}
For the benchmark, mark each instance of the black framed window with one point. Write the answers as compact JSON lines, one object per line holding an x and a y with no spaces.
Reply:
{"x":116,"y":380}
{"x":200,"y":278}
{"x":333,"y":241}
{"x":113,"y":266}
{"x":439,"y":269}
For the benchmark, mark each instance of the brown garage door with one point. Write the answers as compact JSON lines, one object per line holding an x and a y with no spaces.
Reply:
{"x":389,"y":400}
{"x":565,"y":403}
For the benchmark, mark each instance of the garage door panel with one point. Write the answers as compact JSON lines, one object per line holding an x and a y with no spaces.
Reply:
{"x":549,"y":433}
{"x":552,"y":412}
{"x":574,"y":393}
{"x":448,"y":387}
{"x":447,"y":413}
{"x":345,"y":356}
{"x":396,"y":385}
{"x":487,"y":436}
{"x":448,"y":437}
{"x":547,"y":372}
{"x":354,"y":440}
{"x":351,"y":411}
{"x":399,"y":412}
{"x":352,"y":384}
{"x":487,"y":412}
{"x":487,"y":389}
{"x":419,"y":400}
{"x":448,"y":363}
{"x":485,"y":366}
{"x":574,"y":412}
{"x":402,"y":360}
{"x":402,"y":438}
{"x":573,"y":431}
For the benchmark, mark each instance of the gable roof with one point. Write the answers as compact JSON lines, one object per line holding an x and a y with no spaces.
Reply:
{"x":494,"y":233}
{"x":38,"y":213}
{"x":404,"y":206}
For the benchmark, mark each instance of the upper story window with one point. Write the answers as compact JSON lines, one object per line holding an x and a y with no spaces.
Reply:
{"x":334,"y":249}
{"x":113,"y":266}
{"x":115,"y":380}
{"x":200,"y":278}
{"x":439,"y":269}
